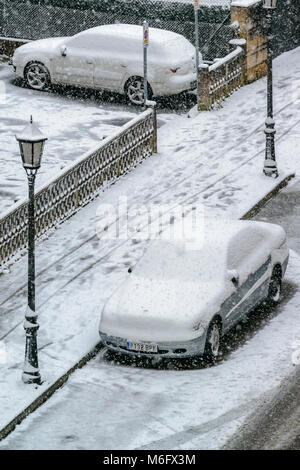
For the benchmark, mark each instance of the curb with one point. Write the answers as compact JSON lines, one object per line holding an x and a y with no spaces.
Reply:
{"x":260,"y":430}
{"x":284,"y":182}
{"x":41,"y":399}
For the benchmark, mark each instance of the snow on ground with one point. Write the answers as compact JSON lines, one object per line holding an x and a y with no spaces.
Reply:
{"x":72,"y":123}
{"x":214,"y":159}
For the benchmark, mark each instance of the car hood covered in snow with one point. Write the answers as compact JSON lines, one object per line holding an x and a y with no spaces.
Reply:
{"x":41,"y":46}
{"x":160,"y":310}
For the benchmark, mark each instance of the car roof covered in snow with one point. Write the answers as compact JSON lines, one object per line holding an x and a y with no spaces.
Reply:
{"x":134,"y":32}
{"x":216,"y":245}
{"x":223,"y":239}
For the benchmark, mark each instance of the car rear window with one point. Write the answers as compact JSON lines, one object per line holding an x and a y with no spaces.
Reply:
{"x":179,"y":47}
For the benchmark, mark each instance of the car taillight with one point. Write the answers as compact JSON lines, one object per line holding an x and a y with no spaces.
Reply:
{"x":174,"y":70}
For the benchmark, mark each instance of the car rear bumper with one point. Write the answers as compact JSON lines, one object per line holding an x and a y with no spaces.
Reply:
{"x":174,"y":349}
{"x":175,"y":84}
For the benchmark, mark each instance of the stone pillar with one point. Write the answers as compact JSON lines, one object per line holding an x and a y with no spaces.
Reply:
{"x":152,"y":105}
{"x":204,"y":100}
{"x":243,"y":44}
{"x":249,"y":15}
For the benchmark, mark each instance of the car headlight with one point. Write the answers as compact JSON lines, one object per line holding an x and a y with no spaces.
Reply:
{"x":14,"y":59}
{"x":199,"y":327}
{"x":17,"y":56}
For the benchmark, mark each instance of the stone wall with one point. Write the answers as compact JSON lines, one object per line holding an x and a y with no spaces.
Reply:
{"x":250,"y":20}
{"x":8,"y":47}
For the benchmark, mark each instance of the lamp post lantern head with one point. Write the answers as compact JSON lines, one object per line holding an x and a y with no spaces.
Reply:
{"x":270,"y":4}
{"x":31,"y":142}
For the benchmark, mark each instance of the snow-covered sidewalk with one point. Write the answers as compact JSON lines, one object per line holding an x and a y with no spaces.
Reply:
{"x":73,"y":122}
{"x":214,"y":159}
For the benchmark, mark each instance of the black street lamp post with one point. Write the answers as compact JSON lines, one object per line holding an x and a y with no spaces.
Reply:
{"x":270,"y":166}
{"x":31,"y":142}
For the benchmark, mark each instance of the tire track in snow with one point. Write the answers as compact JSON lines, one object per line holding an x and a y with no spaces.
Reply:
{"x":177,"y":439}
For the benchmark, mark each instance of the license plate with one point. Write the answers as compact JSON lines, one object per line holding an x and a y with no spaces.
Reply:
{"x":142,"y":347}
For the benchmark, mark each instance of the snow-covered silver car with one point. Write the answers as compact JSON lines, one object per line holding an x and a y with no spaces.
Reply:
{"x":183,"y":296}
{"x":110,"y":57}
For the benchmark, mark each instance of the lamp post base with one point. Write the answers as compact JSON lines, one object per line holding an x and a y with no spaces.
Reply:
{"x":31,"y":372}
{"x":31,"y":378}
{"x":270,"y":168}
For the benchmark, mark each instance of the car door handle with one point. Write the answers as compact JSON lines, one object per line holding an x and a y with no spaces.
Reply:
{"x":89,"y":61}
{"x":124,"y":66}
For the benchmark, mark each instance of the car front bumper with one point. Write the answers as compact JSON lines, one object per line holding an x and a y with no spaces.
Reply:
{"x":17,"y":68}
{"x":180,"y":349}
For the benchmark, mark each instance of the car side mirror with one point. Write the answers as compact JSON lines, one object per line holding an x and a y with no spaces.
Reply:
{"x":63,"y":50}
{"x":130,"y":270}
{"x":233,"y":276}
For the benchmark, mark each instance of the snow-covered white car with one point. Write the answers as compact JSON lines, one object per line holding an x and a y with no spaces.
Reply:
{"x":110,"y":57}
{"x":183,"y":296}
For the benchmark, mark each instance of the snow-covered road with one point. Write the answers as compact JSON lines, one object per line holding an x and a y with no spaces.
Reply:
{"x":107,"y":405}
{"x":214,"y":159}
{"x":110,"y":406}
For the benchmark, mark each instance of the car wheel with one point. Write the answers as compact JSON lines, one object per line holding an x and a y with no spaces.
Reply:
{"x":274,"y":292}
{"x":134,"y":90}
{"x":37,"y":76}
{"x":213,"y":342}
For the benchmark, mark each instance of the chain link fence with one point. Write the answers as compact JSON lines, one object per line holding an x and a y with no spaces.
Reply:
{"x":36,"y":19}
{"x":286,"y":26}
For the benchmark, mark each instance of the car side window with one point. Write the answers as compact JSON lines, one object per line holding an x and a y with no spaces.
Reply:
{"x":85,"y":42}
{"x":109,"y":45}
{"x":245,"y":251}
{"x":126,"y":46}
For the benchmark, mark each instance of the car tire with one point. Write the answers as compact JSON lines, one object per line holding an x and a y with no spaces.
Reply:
{"x":274,"y":293}
{"x":213,"y":342}
{"x":134,"y":91}
{"x":37,"y":76}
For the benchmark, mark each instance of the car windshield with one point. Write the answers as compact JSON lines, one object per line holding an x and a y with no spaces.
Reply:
{"x":181,"y":47}
{"x":181,"y":261}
